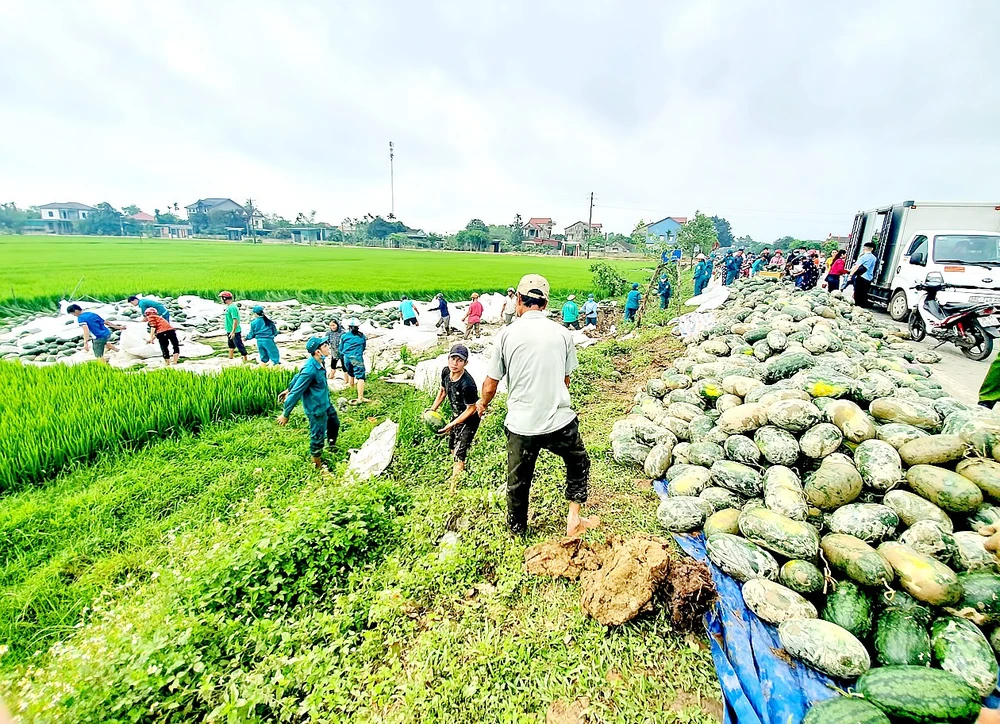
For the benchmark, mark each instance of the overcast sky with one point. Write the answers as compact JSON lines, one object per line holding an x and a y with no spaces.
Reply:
{"x":784,"y":117}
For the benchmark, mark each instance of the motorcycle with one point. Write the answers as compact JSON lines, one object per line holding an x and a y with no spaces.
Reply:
{"x":971,"y":327}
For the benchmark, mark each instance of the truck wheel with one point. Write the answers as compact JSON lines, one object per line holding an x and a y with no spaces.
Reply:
{"x":898,"y":308}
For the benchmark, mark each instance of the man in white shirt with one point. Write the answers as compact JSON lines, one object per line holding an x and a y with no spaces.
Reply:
{"x":537,"y":356}
{"x":509,"y":306}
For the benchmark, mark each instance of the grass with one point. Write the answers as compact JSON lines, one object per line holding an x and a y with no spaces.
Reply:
{"x":56,"y":416}
{"x":38,"y":271}
{"x":412,"y":630}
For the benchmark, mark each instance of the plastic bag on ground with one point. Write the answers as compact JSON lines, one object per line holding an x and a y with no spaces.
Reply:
{"x":376,"y":454}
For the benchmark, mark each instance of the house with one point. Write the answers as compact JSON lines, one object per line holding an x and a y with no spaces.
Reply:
{"x":663,"y":230}
{"x":538,"y":228}
{"x":578,"y":232}
{"x":170,"y":231}
{"x":143,"y":218}
{"x":215,"y":205}
{"x":617,"y":247}
{"x":308,"y":235}
{"x":59,"y":216}
{"x":553,"y":246}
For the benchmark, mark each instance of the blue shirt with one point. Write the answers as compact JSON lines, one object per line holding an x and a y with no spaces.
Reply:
{"x":663,"y":287}
{"x":260,"y":329}
{"x":632,"y":302}
{"x":309,"y":385}
{"x":95,"y":324}
{"x":406,"y":307}
{"x":868,"y":261}
{"x":590,"y":308}
{"x":352,"y":346}
{"x":702,"y":269}
{"x":443,"y":307}
{"x":145,"y":304}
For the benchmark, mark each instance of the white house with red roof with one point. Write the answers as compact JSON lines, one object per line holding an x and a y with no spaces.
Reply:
{"x":538,"y":227}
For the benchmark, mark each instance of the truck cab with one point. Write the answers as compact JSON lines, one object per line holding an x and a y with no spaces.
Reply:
{"x":969,"y":259}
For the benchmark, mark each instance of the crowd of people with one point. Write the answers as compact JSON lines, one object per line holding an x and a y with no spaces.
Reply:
{"x":807,"y":267}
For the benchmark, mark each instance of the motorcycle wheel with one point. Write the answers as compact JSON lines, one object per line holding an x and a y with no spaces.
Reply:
{"x":918,"y":330}
{"x":982,"y":347}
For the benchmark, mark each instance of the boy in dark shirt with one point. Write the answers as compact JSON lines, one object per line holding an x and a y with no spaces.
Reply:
{"x":460,"y":389}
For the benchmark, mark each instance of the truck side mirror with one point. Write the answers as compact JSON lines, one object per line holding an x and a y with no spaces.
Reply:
{"x":918,"y":258}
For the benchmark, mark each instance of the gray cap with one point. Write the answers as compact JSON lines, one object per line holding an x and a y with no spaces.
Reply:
{"x":533,"y":285}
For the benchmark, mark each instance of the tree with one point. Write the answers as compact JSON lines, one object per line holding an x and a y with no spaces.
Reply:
{"x":697,"y":235}
{"x":304,"y":218}
{"x":169,"y":218}
{"x":13,"y":218}
{"x":724,"y":230}
{"x":131,"y":210}
{"x":379,"y":228}
{"x":104,"y":220}
{"x":606,"y":279}
{"x":475,"y":239}
{"x":251,"y":211}
{"x":639,"y":240}
{"x":516,"y":231}
{"x":477,"y":225}
{"x":830,"y":246}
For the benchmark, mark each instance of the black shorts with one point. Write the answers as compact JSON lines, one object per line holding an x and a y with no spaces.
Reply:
{"x":410,"y":322}
{"x":461,"y":436}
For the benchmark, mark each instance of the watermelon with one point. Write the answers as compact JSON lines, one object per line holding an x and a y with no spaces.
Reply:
{"x":786,"y":537}
{"x":802,"y":576}
{"x":775,"y":603}
{"x":740,"y":558}
{"x":850,"y":608}
{"x":845,"y":710}
{"x":825,"y":647}
{"x":901,"y":637}
{"x":920,"y":694}
{"x":433,"y":419}
{"x":958,"y":646}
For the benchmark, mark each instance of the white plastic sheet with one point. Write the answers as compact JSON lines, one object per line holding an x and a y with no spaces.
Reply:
{"x":376,"y":454}
{"x":427,"y":376}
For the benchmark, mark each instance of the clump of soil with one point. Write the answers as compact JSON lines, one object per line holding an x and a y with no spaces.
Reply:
{"x":562,"y":712}
{"x":565,"y":558}
{"x":619,"y":580}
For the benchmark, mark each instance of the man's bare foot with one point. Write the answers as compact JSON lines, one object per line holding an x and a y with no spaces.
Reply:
{"x":579,"y":526}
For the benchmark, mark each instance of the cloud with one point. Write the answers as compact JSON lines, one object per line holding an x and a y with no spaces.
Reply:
{"x":784,"y":117}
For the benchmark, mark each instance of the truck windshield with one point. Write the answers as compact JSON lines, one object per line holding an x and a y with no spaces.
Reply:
{"x":967,"y":249}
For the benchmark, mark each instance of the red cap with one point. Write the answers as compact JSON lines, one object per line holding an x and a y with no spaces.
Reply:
{"x":226,"y":294}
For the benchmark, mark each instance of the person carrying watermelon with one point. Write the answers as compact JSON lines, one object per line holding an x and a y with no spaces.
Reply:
{"x":462,"y":393}
{"x":310,"y":386}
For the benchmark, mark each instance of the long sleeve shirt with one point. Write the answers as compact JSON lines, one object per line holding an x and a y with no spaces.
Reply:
{"x":352,"y":346}
{"x":590,"y":308}
{"x":632,"y":301}
{"x":310,"y":386}
{"x":443,"y":307}
{"x":333,"y":339}
{"x":260,"y":329}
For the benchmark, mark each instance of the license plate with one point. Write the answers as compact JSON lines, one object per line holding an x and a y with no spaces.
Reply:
{"x":979,"y":299}
{"x":991,"y":320}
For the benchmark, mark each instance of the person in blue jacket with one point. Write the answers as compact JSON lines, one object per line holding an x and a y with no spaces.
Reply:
{"x":590,"y":311}
{"x":632,"y":303}
{"x":264,"y":330}
{"x":733,"y":264}
{"x":665,"y":291}
{"x":442,"y":307}
{"x":702,"y":273}
{"x":352,"y":353}
{"x":309,"y":385}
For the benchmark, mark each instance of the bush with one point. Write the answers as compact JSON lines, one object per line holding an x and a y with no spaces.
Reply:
{"x":607,"y":280}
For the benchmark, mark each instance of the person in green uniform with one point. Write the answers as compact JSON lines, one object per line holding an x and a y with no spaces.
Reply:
{"x":352,"y":353}
{"x":989,"y":391}
{"x":264,"y":330}
{"x":144,"y":304}
{"x":309,"y":385}
{"x":632,"y":302}
{"x":234,"y":332}
{"x":571,"y":312}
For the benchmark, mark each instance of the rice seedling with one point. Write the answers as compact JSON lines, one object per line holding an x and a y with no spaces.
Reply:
{"x":52,"y":417}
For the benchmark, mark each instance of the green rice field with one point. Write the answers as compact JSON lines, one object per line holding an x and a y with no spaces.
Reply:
{"x":38,"y":271}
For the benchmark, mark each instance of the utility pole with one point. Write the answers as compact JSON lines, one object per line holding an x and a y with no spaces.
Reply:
{"x":392,"y":185}
{"x":590,"y":220}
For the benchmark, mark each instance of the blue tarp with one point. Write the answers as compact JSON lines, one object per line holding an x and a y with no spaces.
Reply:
{"x":760,"y":684}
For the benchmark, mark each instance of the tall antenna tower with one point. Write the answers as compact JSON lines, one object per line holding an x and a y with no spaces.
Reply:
{"x":392,"y":185}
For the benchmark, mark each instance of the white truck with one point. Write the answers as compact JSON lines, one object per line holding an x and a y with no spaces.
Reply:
{"x":962,"y":241}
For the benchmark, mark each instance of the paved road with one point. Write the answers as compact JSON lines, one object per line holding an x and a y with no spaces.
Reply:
{"x":958,"y":375}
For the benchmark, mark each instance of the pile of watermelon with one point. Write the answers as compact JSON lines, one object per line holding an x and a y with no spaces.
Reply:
{"x":846,"y":491}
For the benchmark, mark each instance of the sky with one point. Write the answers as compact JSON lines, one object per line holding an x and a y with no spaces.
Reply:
{"x":783,"y":117}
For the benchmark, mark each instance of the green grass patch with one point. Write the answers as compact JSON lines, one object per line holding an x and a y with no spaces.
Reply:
{"x":56,"y":416}
{"x":435,"y":622}
{"x":38,"y":271}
